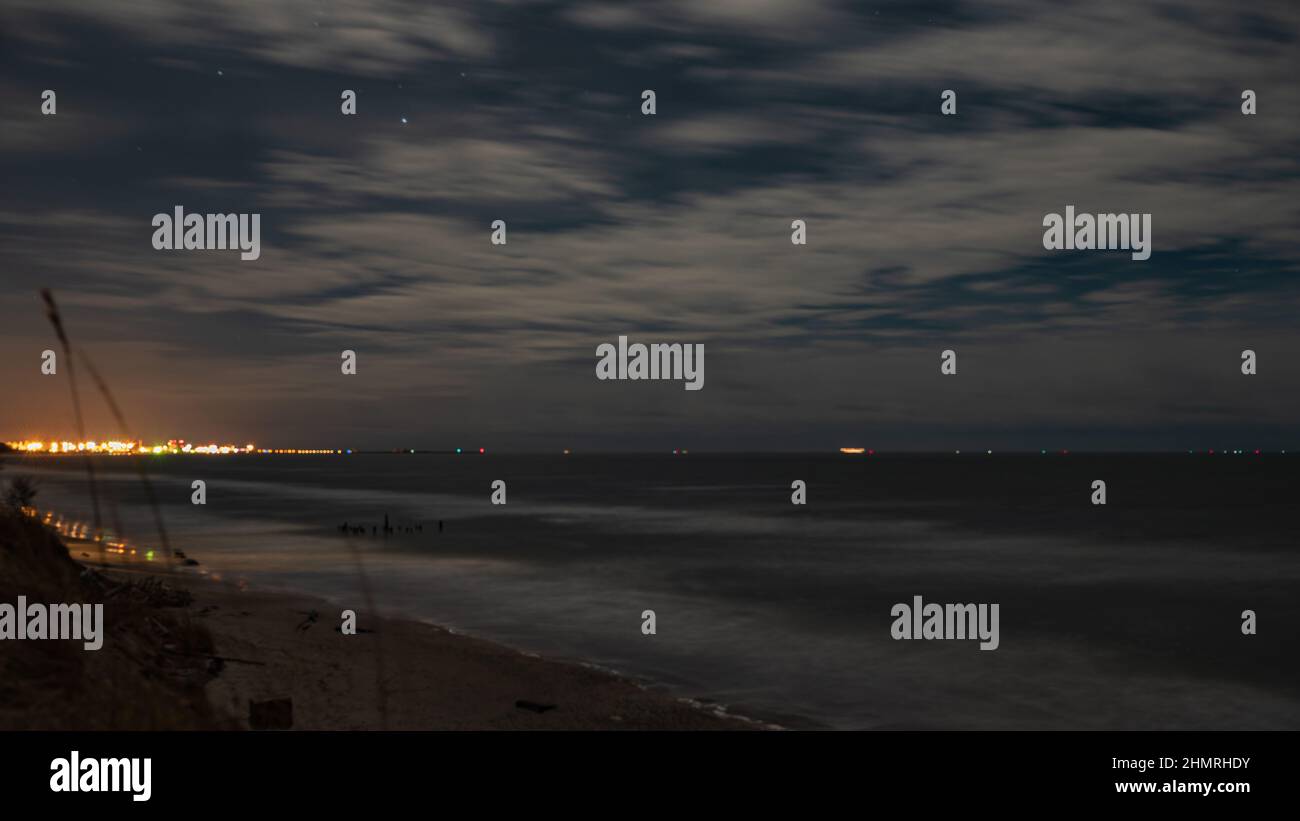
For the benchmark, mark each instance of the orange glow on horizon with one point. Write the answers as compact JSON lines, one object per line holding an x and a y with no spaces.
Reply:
{"x":115,"y":447}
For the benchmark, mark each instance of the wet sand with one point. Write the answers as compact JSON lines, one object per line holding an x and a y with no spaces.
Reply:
{"x":398,"y":674}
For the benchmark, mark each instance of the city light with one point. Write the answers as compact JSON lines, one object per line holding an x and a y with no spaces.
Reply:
{"x":115,"y":447}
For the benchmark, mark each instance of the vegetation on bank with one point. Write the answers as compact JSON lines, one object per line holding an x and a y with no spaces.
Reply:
{"x":154,"y":663}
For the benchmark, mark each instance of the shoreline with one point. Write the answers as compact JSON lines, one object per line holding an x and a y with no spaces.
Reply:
{"x":274,"y":644}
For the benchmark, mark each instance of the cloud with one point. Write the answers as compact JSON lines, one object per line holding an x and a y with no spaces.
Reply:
{"x":454,"y":170}
{"x":771,"y":19}
{"x":375,"y":38}
{"x":924,"y":230}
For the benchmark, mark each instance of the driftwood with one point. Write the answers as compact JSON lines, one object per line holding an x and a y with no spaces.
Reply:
{"x":213,"y":656}
{"x":274,"y":714}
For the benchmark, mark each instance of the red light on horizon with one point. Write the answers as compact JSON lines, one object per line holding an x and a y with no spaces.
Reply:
{"x":481,"y":450}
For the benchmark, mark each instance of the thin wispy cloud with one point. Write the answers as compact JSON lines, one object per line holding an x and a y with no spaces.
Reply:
{"x":924,"y":230}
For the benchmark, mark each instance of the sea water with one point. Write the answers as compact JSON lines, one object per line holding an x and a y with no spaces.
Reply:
{"x":1125,"y":615}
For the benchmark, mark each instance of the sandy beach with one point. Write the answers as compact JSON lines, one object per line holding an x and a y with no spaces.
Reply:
{"x":184,"y":649}
{"x":399,"y":674}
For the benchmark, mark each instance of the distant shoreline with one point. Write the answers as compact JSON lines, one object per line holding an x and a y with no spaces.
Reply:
{"x":843,"y":452}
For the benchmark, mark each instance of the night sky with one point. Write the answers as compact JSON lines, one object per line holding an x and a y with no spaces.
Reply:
{"x":924,"y":230}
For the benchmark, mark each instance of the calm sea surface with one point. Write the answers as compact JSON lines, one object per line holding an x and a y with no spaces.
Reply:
{"x":1122,"y":616}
